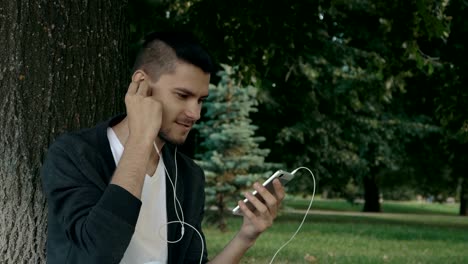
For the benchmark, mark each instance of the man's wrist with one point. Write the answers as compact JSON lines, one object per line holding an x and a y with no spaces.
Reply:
{"x":139,"y":142}
{"x":246,"y":239}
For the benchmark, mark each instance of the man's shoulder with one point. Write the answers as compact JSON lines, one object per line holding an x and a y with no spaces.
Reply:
{"x":73,"y":140}
{"x":81,"y":152}
{"x":90,"y":137}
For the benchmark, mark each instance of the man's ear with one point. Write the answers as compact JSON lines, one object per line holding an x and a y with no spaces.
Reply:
{"x":138,"y":76}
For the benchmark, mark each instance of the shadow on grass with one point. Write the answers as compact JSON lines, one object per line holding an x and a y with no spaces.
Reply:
{"x":387,"y":207}
{"x":388,"y":226}
{"x":456,"y":222}
{"x":422,"y":209}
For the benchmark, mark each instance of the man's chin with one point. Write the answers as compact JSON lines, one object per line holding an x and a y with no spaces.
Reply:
{"x":170,"y":140}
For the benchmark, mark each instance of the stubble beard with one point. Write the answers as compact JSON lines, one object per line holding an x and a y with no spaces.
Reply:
{"x":166,"y":138}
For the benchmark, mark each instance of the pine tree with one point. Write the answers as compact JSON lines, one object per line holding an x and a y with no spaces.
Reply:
{"x":232,"y":159}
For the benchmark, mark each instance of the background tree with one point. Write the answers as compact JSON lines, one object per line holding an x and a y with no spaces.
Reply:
{"x":232,"y":159}
{"x":329,"y":72}
{"x":353,"y":84}
{"x":63,"y":66}
{"x":452,"y":110}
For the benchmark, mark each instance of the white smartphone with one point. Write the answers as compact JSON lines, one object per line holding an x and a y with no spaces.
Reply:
{"x":283,"y":176}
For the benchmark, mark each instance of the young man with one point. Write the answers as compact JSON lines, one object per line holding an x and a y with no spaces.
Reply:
{"x":110,"y":189}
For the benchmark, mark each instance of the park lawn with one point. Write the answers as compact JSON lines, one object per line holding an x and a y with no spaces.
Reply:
{"x":387,"y":206}
{"x":355,"y":237}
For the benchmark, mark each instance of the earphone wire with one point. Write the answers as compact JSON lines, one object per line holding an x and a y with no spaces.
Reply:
{"x":305,"y":215}
{"x":177,"y":203}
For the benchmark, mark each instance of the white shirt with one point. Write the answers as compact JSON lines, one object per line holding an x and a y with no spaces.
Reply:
{"x":148,"y":244}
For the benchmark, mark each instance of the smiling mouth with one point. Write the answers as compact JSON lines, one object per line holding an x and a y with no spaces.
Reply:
{"x":185,"y":125}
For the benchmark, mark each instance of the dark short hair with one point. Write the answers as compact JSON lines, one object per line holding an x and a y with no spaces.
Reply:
{"x":161,"y":50}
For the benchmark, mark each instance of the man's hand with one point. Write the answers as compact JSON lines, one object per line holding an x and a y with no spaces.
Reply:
{"x":144,"y":117}
{"x":258,"y":221}
{"x":255,"y":222}
{"x":144,"y":113}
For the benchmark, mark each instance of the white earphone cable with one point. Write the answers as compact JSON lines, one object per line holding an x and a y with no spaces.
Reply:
{"x":177,"y":204}
{"x":303,"y":219}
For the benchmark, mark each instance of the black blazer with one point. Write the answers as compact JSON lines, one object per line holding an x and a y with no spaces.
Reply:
{"x":92,"y":221}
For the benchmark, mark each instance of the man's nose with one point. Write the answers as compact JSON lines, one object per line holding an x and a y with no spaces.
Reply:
{"x":193,"y":111}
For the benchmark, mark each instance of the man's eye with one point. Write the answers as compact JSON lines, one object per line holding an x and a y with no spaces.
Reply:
{"x":181,"y":95}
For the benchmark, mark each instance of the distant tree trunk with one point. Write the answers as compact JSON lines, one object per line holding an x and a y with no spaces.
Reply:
{"x":464,"y":198}
{"x":371,"y":193}
{"x":62,"y":66}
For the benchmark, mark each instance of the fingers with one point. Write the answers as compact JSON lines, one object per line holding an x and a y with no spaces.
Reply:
{"x":279,"y":190}
{"x":133,"y":87}
{"x":266,"y":202}
{"x":269,"y":198}
{"x":258,"y":205}
{"x":143,"y":88}
{"x":138,"y":86}
{"x":265,"y":206}
{"x":245,"y":210}
{"x":264,"y":213}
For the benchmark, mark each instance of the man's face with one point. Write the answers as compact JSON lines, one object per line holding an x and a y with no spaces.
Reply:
{"x":181,"y":94}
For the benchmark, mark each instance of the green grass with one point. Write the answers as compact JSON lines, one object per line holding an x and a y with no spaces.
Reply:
{"x":421,"y":235}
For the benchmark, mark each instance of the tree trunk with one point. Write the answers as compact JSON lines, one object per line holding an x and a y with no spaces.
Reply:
{"x":63,"y":66}
{"x":222,"y":225}
{"x":464,"y":198}
{"x":371,"y":194}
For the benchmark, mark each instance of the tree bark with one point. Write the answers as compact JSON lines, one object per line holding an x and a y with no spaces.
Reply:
{"x":63,"y":67}
{"x":371,"y":194}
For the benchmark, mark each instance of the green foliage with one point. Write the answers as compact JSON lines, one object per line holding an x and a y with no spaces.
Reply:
{"x":232,"y":159}
{"x":453,"y":94}
{"x":351,"y":85}
{"x":330,"y":72}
